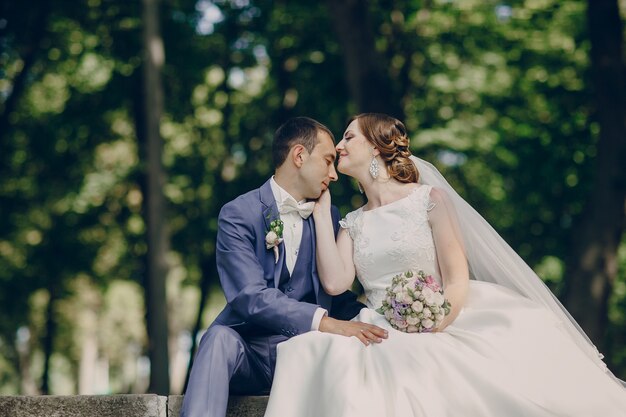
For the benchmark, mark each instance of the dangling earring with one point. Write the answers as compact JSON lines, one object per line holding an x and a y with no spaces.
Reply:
{"x":360,"y":188}
{"x":374,"y":168}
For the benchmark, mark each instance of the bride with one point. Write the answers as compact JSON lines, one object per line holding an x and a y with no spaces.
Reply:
{"x":507,"y":348}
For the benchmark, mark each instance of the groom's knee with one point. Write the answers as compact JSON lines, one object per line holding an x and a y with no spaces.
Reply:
{"x":221,"y":340}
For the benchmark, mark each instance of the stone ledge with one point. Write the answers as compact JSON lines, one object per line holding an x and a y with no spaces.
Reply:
{"x":245,"y":406}
{"x":146,"y":405}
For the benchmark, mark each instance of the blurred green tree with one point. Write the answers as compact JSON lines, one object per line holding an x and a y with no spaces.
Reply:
{"x":500,"y":95}
{"x":592,"y":263}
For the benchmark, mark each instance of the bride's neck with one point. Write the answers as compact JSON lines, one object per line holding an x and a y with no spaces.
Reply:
{"x":380,"y":192}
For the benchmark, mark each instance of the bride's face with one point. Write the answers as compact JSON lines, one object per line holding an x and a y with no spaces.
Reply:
{"x":355,"y":151}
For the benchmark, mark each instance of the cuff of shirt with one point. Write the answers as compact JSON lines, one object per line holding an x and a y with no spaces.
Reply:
{"x":317,"y":318}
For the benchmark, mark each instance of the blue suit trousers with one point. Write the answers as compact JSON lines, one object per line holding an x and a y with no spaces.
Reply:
{"x":228,"y":363}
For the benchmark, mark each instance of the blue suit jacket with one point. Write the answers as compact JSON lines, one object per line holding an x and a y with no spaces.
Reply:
{"x":249,"y":273}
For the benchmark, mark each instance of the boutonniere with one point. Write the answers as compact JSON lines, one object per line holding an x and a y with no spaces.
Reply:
{"x":274,"y":236}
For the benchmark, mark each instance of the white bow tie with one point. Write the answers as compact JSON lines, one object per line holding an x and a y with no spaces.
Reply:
{"x":289,"y":205}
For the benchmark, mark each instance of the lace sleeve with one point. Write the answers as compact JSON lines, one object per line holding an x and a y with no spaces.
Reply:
{"x":349,"y":223}
{"x":430,"y":203}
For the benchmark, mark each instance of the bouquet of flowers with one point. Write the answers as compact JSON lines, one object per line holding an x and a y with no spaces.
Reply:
{"x":414,"y":303}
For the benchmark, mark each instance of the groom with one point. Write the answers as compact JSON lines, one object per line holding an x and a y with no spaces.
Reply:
{"x":272,"y":293}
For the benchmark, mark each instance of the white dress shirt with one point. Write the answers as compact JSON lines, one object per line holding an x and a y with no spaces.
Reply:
{"x":292,"y":236}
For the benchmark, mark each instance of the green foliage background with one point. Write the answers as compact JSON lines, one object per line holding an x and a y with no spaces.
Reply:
{"x":496,"y":93}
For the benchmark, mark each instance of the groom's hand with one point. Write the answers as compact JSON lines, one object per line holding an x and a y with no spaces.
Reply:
{"x":366,"y":333}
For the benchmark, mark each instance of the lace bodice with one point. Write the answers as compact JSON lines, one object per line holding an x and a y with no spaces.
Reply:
{"x":392,"y":239}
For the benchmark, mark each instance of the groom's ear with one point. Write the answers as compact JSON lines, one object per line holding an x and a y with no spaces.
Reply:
{"x":298,"y":153}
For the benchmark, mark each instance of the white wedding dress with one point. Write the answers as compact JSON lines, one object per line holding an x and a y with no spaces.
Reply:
{"x":504,"y":355}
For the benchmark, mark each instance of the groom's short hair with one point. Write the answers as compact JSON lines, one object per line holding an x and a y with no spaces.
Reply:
{"x":296,"y":131}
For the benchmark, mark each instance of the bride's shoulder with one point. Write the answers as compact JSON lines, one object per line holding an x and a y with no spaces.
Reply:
{"x":350,"y":220}
{"x":439,"y":203}
{"x":431,"y":196}
{"x":437,"y":195}
{"x":350,"y":217}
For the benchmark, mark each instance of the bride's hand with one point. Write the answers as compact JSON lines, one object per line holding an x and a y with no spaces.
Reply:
{"x":438,"y":329}
{"x":442,"y":326}
{"x":322,"y":205}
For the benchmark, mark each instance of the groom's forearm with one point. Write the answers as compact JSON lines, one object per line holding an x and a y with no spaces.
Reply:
{"x":271,"y":308}
{"x":320,"y":313}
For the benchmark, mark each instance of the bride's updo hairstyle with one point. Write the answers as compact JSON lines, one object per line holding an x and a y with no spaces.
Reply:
{"x":388,"y":135}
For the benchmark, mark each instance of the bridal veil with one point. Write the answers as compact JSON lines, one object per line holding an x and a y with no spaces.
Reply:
{"x":491,"y":259}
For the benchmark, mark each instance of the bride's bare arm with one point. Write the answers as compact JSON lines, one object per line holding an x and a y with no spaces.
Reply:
{"x":450,"y":254}
{"x":336,"y":271}
{"x":334,"y":258}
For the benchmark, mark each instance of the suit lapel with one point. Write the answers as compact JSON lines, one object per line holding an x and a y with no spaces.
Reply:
{"x":270,"y":212}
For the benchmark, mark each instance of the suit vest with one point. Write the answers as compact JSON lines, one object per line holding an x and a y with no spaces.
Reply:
{"x":299,"y":284}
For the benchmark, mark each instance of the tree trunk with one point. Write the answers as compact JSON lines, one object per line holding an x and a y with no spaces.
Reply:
{"x":48,"y":341}
{"x":154,"y":210}
{"x":366,"y":75}
{"x":29,"y":57}
{"x":88,"y":361}
{"x":25,"y":345}
{"x":592,"y":263}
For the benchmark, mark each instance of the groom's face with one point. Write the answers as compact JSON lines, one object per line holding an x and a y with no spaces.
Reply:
{"x":318,"y":167}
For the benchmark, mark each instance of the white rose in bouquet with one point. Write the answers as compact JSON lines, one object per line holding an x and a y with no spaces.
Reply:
{"x":428,"y":323}
{"x":412,"y":320}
